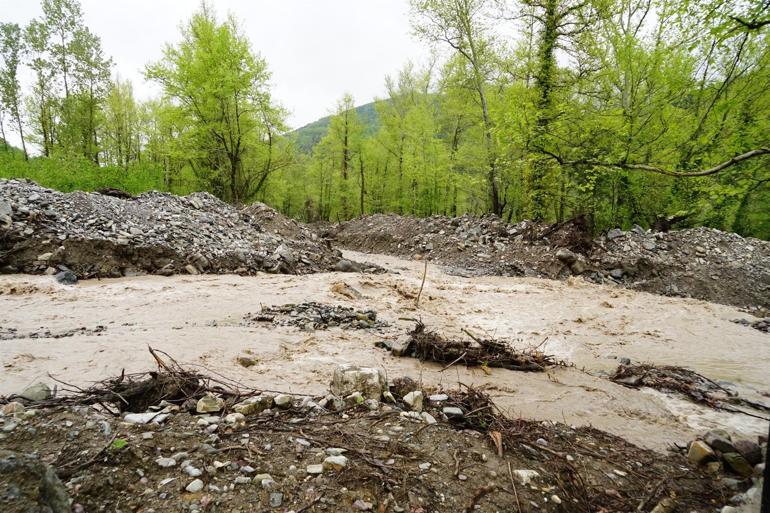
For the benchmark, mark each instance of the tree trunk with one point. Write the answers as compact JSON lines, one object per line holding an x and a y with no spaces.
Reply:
{"x":2,"y":134}
{"x":544,"y":80}
{"x":363,"y":188}
{"x":21,"y":135}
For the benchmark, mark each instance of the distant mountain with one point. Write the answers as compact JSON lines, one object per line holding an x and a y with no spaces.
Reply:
{"x":310,"y":134}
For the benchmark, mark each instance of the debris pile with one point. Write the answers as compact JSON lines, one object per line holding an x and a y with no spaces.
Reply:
{"x":316,"y":316}
{"x":702,"y":263}
{"x":14,"y":334}
{"x":685,"y":382}
{"x":98,"y":235}
{"x":430,"y":346}
{"x":209,"y":445}
{"x":762,"y":325}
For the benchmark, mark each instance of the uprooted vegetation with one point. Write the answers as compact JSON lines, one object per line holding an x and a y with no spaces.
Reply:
{"x":452,"y":451}
{"x":688,"y":383}
{"x":703,"y":263}
{"x":431,"y":346}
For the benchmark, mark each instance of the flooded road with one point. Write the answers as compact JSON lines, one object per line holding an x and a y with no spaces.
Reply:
{"x":197,"y":319}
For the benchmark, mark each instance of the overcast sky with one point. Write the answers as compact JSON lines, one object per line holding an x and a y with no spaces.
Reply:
{"x":317,"y":50}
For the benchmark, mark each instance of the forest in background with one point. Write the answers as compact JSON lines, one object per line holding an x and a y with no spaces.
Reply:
{"x":624,"y":111}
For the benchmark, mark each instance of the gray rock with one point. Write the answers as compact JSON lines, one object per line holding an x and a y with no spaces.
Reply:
{"x":276,"y":499}
{"x":254,"y":405}
{"x":719,"y":440}
{"x":315,"y":469}
{"x":348,"y":379}
{"x":700,"y":453}
{"x":566,"y":256}
{"x":335,"y":463}
{"x":31,"y":484}
{"x":453,"y":412}
{"x":195,"y":486}
{"x":749,"y":450}
{"x":414,"y":400}
{"x":362,"y":505}
{"x":579,"y":266}
{"x":399,"y":346}
{"x":525,"y":476}
{"x":427,"y":418}
{"x":282,"y":401}
{"x":738,"y":464}
{"x":5,"y":208}
{"x":165,"y":462}
{"x":347,"y":266}
{"x":145,"y":418}
{"x":36,"y":392}
{"x":209,"y":404}
{"x":66,"y":278}
{"x":614,"y":234}
{"x":12,"y":408}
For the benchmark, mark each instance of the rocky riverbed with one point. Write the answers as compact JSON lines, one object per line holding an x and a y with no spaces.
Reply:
{"x":365,"y":446}
{"x":270,"y":307}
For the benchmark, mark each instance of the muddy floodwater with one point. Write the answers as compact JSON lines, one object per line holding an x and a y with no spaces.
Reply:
{"x":95,"y":329}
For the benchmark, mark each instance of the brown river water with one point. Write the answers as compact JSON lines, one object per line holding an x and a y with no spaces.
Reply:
{"x":196,"y":319}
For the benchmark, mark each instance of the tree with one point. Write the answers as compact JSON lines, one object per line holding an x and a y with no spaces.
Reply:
{"x":41,"y":102}
{"x":220,"y":90}
{"x":62,"y":19}
{"x":91,"y":76}
{"x":337,"y":155}
{"x":459,"y":23}
{"x":121,"y":138}
{"x":11,"y":49}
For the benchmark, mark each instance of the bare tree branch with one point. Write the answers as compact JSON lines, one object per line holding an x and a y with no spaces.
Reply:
{"x":654,"y":169}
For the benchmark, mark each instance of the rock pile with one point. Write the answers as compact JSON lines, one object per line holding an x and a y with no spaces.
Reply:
{"x":762,"y":325}
{"x":717,"y":452}
{"x":702,"y":263}
{"x":315,"y":316}
{"x":97,"y":235}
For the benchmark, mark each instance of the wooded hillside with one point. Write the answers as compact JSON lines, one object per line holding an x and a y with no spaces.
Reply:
{"x":623,"y":111}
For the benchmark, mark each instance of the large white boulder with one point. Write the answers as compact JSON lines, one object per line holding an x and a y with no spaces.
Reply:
{"x":348,"y":379}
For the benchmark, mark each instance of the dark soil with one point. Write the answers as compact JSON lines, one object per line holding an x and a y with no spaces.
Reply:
{"x":109,"y":465}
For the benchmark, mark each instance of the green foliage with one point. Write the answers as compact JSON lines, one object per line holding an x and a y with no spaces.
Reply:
{"x":220,"y":102}
{"x":118,"y":444}
{"x":76,"y":173}
{"x":306,"y":137}
{"x":597,"y":108}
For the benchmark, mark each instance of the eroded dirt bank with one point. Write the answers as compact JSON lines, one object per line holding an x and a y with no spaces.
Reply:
{"x":93,"y":330}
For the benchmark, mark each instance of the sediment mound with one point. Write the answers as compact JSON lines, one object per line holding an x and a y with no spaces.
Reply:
{"x":703,"y":263}
{"x":100,"y":235}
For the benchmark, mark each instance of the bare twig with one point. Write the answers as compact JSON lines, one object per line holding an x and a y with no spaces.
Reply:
{"x":424,"y":274}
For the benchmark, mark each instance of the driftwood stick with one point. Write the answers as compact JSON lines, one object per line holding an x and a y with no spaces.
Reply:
{"x":424,"y":274}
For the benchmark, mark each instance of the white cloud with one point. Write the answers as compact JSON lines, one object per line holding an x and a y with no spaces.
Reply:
{"x":317,"y":50}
